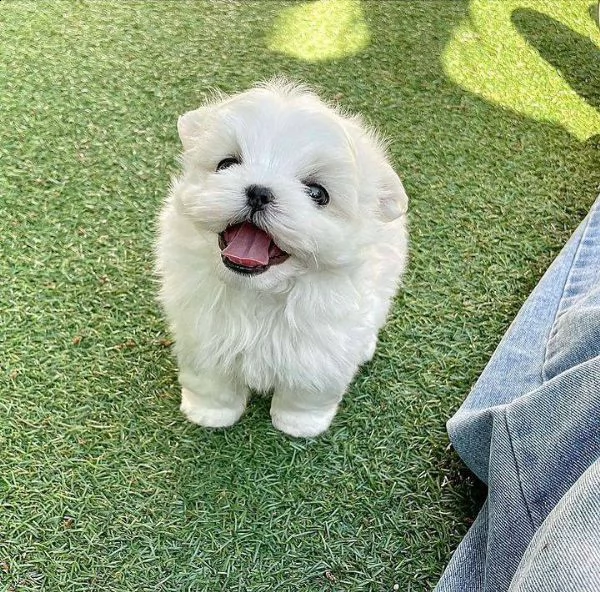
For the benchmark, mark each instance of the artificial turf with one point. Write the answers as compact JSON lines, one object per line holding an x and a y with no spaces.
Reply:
{"x":103,"y":486}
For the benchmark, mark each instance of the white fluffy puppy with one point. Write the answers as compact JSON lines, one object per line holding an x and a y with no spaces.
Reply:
{"x":280,"y":248}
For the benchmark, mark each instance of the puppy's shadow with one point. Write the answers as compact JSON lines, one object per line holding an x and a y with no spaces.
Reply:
{"x":576,"y":57}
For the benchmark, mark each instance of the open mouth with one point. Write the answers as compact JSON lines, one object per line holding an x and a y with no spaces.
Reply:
{"x":247,"y":249}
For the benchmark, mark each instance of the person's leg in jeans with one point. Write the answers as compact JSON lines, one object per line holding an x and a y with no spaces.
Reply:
{"x":530,"y":429}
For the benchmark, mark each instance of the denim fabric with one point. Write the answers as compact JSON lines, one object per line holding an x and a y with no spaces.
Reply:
{"x":530,"y":430}
{"x":564,"y":555}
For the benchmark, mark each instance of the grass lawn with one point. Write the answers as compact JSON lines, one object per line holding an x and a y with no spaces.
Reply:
{"x":491,"y":112}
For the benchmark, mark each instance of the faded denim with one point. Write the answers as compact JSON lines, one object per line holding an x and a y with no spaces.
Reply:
{"x":530,"y":429}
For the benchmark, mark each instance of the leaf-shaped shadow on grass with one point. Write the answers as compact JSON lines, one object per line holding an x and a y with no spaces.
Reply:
{"x":576,"y":57}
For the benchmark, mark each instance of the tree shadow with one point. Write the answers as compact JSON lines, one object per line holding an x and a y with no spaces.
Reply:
{"x":574,"y":56}
{"x":594,"y":12}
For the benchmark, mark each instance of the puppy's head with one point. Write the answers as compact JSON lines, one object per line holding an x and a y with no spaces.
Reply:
{"x":284,"y":184}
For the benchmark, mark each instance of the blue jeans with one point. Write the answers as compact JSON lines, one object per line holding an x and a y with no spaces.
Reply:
{"x":530,"y":429}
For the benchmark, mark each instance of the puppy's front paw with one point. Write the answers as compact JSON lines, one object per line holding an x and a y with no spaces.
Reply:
{"x":208,"y":412}
{"x":302,"y":423}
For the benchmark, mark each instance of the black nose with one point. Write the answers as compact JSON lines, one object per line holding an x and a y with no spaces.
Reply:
{"x":257,"y":197}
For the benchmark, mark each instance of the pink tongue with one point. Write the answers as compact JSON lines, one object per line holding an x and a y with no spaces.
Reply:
{"x":247,"y":245}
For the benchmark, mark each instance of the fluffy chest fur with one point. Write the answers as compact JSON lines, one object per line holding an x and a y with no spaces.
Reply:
{"x":306,"y":337}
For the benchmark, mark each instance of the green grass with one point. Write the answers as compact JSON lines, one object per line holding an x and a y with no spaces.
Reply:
{"x":103,"y":486}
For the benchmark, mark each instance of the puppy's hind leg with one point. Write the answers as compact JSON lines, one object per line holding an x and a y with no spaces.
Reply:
{"x":304,"y":414}
{"x":211,"y":399}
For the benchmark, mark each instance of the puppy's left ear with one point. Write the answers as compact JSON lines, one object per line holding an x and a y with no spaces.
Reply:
{"x":393,"y":201}
{"x":189,"y":125}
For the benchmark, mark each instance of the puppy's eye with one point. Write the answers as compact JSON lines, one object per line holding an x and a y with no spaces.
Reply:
{"x":227,"y":162}
{"x":318,"y":194}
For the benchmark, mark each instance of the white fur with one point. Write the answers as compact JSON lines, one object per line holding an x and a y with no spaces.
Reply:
{"x":302,"y":328}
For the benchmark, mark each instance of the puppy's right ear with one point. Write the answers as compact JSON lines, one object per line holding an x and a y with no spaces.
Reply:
{"x":393,"y":201}
{"x":189,"y":125}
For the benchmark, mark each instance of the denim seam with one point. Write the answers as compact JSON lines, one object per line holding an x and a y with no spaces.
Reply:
{"x":518,"y":469}
{"x":557,"y":313}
